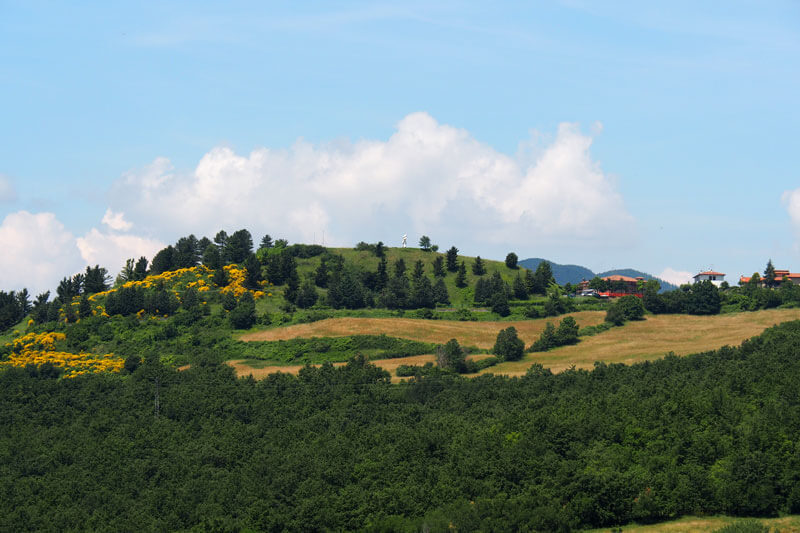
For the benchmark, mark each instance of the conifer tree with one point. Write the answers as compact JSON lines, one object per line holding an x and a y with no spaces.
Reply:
{"x":461,"y":277}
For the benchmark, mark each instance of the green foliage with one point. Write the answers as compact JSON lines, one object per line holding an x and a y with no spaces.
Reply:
{"x":321,"y":349}
{"x":243,"y":316}
{"x":461,"y":277}
{"x":425,"y":243}
{"x":508,"y":346}
{"x":511,"y":260}
{"x":13,"y":308}
{"x":451,"y":357}
{"x":477,"y":267}
{"x":342,"y":449}
{"x":499,"y":304}
{"x":625,"y":308}
{"x":566,"y":333}
{"x":452,"y":259}
{"x":703,"y":299}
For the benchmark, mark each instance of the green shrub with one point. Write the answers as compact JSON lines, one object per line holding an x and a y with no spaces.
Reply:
{"x":508,"y":346}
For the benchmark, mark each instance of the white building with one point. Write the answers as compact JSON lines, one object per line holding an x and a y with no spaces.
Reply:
{"x":709,"y":275}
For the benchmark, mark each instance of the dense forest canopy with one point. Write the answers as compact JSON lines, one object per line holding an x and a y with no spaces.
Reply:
{"x":342,"y":449}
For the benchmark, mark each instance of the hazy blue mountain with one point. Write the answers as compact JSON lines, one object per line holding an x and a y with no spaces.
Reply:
{"x":576,"y":273}
{"x":563,"y":273}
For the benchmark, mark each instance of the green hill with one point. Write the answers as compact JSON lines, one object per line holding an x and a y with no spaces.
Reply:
{"x":366,"y":260}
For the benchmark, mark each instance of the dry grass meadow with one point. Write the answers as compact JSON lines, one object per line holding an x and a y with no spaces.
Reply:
{"x":478,"y":334}
{"x":692,"y":524}
{"x":653,"y":338}
{"x":636,"y":341}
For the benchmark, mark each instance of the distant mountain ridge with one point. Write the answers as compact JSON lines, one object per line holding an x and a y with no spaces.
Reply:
{"x":576,"y":273}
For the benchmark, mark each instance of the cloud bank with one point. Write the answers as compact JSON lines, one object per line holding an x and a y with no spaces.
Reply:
{"x":676,"y":277}
{"x":38,"y":250}
{"x":427,"y":178}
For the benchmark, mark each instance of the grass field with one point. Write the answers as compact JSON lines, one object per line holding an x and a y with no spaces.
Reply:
{"x":692,"y":524}
{"x":367,"y":261}
{"x":653,"y":338}
{"x":478,"y":334}
{"x":636,"y":341}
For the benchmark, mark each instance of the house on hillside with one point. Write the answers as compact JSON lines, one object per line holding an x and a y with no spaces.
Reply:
{"x":616,"y":286}
{"x":780,"y":277}
{"x":623,"y":285}
{"x":710,"y":275}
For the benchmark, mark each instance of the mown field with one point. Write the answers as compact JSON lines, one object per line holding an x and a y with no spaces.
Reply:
{"x":653,"y":338}
{"x":694,"y":524}
{"x":478,"y":334}
{"x":636,"y":341}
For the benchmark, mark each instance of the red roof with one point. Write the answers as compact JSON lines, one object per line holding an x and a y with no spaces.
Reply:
{"x":709,"y":273}
{"x":617,"y":277}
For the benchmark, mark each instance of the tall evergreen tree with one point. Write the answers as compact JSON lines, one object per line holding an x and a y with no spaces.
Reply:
{"x":95,"y":280}
{"x":140,"y":270}
{"x":212,"y":257}
{"x":422,"y":296}
{"x":238,"y":247}
{"x":769,"y":276}
{"x":438,"y":267}
{"x":452,"y":259}
{"x":461,"y":277}
{"x":478,"y":267}
{"x":399,"y":268}
{"x":419,"y":270}
{"x":382,"y":277}
{"x":440,"y":294}
{"x":163,"y":261}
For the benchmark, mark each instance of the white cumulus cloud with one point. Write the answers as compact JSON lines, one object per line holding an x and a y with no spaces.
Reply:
{"x":426,"y":178}
{"x":676,"y":277}
{"x":110,"y":250}
{"x":116,"y":221}
{"x":37,"y":252}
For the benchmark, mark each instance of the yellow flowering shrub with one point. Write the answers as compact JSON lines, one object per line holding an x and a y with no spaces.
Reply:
{"x":39,"y":348}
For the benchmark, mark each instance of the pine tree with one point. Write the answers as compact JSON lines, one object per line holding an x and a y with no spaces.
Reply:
{"x":452,"y":259}
{"x":381,"y":277}
{"x":478,"y":267}
{"x":520,"y":291}
{"x":440,"y":294}
{"x":461,"y":277}
{"x":769,"y":275}
{"x":438,"y":267}
{"x":419,"y":270}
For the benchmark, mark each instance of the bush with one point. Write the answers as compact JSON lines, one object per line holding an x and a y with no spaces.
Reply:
{"x":450,"y":356}
{"x":405,"y":371}
{"x":500,"y":304}
{"x":477,"y":366}
{"x":567,"y":332}
{"x":508,"y":347}
{"x":626,"y":308}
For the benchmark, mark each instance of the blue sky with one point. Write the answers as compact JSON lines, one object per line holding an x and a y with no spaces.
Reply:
{"x":660,"y":137}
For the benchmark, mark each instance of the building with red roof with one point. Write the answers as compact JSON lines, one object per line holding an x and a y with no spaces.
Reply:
{"x":710,"y":275}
